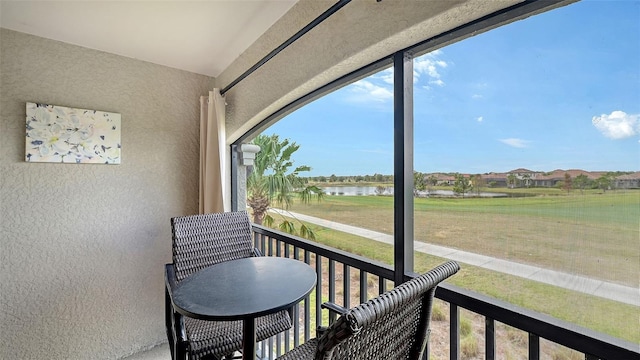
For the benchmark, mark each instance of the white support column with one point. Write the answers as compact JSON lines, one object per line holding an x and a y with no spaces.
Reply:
{"x":246,"y":154}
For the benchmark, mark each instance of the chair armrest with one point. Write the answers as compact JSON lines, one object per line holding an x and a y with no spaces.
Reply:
{"x":170,"y":279}
{"x":335,"y":308}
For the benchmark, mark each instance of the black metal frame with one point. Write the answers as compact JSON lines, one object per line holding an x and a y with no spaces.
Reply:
{"x":325,"y":15}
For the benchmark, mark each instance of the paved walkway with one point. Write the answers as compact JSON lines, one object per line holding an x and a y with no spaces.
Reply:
{"x":621,"y":293}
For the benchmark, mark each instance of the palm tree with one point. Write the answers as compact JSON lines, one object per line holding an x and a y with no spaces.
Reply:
{"x":273,"y":183}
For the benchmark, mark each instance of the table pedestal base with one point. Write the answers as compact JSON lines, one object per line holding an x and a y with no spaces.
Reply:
{"x":249,"y":339}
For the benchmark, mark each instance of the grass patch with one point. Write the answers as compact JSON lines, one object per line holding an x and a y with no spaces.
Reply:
{"x":563,"y":353}
{"x":516,"y":336}
{"x":469,"y":347}
{"x":437,"y":312}
{"x":465,"y":326}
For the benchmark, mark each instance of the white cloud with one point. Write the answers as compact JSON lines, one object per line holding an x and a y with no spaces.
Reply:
{"x":480,"y":119}
{"x":476,"y":96}
{"x":430,"y":66}
{"x":517,"y":143}
{"x":378,"y":88}
{"x":386,"y":76}
{"x":617,"y":125}
{"x":365,"y":90}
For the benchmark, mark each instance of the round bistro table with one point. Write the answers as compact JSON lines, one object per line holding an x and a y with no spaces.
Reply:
{"x":244,"y":289}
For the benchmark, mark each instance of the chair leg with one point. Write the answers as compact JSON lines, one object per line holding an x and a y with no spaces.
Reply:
{"x":169,"y":323}
{"x":180,"y":351}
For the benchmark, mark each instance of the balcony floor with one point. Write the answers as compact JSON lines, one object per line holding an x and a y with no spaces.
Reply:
{"x":160,"y":352}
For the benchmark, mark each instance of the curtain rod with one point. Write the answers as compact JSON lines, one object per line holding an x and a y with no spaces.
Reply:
{"x":289,"y":41}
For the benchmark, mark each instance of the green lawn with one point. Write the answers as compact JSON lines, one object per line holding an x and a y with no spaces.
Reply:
{"x":596,"y":235}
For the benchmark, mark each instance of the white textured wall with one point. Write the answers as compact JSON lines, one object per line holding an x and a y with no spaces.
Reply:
{"x":82,"y":247}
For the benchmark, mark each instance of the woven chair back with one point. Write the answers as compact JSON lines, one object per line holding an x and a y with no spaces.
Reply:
{"x":394,"y":325}
{"x":203,"y":240}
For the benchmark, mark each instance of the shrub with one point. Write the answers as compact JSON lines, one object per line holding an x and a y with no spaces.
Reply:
{"x":469,"y":347}
{"x":517,"y":337}
{"x":465,"y":327}
{"x":437,"y":313}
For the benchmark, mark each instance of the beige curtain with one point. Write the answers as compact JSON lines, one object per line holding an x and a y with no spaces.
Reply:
{"x":212,"y":153}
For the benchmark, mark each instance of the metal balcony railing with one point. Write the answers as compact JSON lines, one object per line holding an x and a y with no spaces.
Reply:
{"x":349,"y":279}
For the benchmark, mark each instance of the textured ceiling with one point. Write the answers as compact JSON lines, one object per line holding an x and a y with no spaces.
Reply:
{"x":203,"y":37}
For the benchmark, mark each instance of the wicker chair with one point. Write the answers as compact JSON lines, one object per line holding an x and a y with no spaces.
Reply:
{"x":200,"y":241}
{"x":395,"y":325}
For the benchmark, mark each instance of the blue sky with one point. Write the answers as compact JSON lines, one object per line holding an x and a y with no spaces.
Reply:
{"x":560,"y":90}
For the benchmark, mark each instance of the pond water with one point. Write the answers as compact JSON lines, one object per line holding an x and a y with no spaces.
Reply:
{"x":354,"y":190}
{"x":371,"y":190}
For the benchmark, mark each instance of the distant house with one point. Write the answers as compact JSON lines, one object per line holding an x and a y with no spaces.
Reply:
{"x":630,"y":181}
{"x":553,"y":178}
{"x":530,"y":178}
{"x":495,"y":179}
{"x":444,"y":179}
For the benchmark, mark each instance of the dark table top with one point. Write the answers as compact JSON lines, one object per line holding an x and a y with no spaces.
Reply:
{"x":244,"y":288}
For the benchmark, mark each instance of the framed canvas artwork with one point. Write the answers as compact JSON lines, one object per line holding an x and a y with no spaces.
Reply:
{"x":67,"y":135}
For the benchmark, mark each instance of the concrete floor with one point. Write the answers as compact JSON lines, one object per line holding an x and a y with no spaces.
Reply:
{"x":160,"y":352}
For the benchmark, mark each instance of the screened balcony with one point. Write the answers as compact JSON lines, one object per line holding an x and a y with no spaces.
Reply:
{"x":83,"y":245}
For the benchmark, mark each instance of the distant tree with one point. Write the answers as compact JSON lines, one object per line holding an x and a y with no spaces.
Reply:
{"x":581,"y":182}
{"x":526,"y":178}
{"x":431,"y":181}
{"x":333,"y":178}
{"x":462,"y":185}
{"x":493,"y":184}
{"x":322,"y":179}
{"x":512,"y":181}
{"x":605,"y":182}
{"x":568,"y":183}
{"x":477,"y":183}
{"x":419,"y":182}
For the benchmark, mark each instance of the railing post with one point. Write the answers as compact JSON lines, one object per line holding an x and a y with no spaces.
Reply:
{"x":534,"y":347}
{"x":454,"y":332}
{"x":490,"y":339}
{"x":307,"y":306}
{"x":364,"y":293}
{"x":318,"y":292}
{"x":346,"y":302}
